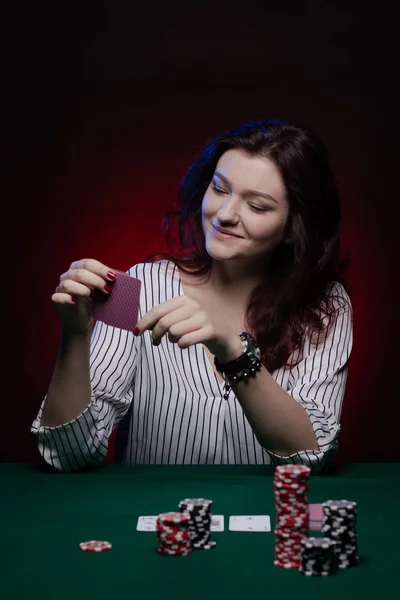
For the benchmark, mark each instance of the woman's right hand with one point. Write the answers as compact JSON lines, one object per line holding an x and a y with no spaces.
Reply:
{"x":72,"y":300}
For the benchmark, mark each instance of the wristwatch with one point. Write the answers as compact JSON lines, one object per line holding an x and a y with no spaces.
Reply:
{"x":243,"y":367}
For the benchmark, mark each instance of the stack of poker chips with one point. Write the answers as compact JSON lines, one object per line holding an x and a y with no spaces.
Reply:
{"x":173,"y":534}
{"x":199,"y":510}
{"x":292,"y":516}
{"x":339,"y":525}
{"x":317,"y":556}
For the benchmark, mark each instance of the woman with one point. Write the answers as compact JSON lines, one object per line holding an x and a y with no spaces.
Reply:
{"x":244,"y":337}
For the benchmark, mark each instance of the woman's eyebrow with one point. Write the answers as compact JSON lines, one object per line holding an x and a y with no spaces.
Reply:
{"x":247,"y":192}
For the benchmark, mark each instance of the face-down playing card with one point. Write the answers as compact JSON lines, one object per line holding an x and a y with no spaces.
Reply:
{"x":119,"y":308}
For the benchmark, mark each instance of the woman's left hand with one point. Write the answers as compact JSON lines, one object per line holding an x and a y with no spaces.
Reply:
{"x":187,"y":323}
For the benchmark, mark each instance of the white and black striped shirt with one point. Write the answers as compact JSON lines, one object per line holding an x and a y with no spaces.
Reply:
{"x":177,"y":412}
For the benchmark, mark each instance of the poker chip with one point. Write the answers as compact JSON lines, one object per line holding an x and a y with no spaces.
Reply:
{"x":95,"y":546}
{"x":318,"y":557}
{"x":174,"y":537}
{"x":339,"y":525}
{"x":292,"y":514}
{"x":199,"y":526}
{"x":180,"y":518}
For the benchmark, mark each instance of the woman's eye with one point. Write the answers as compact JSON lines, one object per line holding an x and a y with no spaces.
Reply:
{"x":217,"y":189}
{"x":258,"y":208}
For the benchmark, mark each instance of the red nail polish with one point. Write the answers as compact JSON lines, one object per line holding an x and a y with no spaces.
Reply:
{"x":108,"y":287}
{"x":136,"y":331}
{"x":74,"y":300}
{"x":111,"y":275}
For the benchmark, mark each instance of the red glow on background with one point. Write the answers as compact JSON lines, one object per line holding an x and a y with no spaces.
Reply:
{"x":120,"y":223}
{"x":100,"y":140}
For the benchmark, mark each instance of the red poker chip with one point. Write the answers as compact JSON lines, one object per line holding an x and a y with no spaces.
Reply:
{"x":290,"y":510}
{"x":95,"y":546}
{"x":292,"y":533}
{"x":283,"y":542}
{"x":290,"y":536}
{"x":288,"y":489}
{"x":291,"y":564}
{"x":288,"y":557}
{"x":293,"y":470}
{"x":178,"y":543}
{"x":288,"y":514}
{"x":285,"y":488}
{"x":171,"y":528}
{"x":292,"y":502}
{"x":174,"y":537}
{"x":291,"y":507}
{"x":301,"y":520}
{"x":281,"y":526}
{"x":294,"y":485}
{"x":285,"y":498}
{"x":284,"y":493}
{"x":167,"y":530}
{"x":289,"y":552}
{"x":166,"y":527}
{"x":174,"y":545}
{"x":295,"y":547}
{"x":173,"y":518}
{"x":288,"y":544}
{"x":291,"y":477}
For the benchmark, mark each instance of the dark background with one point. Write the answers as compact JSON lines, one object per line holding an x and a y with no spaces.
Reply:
{"x":107,"y":104}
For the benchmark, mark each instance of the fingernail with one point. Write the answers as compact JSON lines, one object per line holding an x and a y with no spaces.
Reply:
{"x":108,"y":287}
{"x":91,"y":294}
{"x":111,"y":275}
{"x":74,"y":300}
{"x":136,"y":331}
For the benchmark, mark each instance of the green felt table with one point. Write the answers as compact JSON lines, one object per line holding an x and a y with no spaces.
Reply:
{"x":44,"y":515}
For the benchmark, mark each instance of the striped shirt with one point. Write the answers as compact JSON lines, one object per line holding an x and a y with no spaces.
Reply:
{"x":169,"y":402}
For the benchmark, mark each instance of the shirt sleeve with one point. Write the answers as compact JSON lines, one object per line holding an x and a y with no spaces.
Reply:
{"x":83,"y":441}
{"x":319,"y":382}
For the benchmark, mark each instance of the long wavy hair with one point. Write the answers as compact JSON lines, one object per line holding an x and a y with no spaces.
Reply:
{"x":295,"y":298}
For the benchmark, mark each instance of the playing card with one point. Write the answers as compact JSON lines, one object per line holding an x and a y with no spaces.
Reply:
{"x":146,"y":523}
{"x":316,"y":516}
{"x":250,"y":523}
{"x":149,"y":523}
{"x":217,"y":523}
{"x":119,"y":308}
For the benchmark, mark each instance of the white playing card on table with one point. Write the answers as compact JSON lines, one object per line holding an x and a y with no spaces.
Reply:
{"x":146,"y":523}
{"x":149,"y":523}
{"x":217,"y":523}
{"x":250,"y":523}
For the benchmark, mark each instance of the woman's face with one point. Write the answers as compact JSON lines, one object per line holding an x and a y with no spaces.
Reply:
{"x":247,"y":197}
